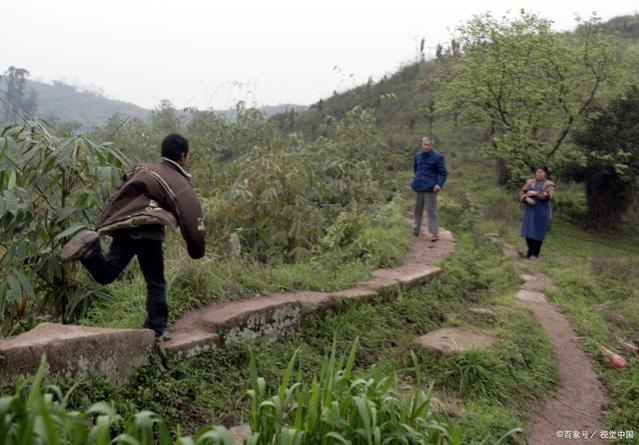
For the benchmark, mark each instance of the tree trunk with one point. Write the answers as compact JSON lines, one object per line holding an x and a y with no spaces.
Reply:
{"x":503,"y":175}
{"x":608,"y":198}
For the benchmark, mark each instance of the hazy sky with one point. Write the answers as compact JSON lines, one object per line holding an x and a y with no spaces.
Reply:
{"x":213,"y":53}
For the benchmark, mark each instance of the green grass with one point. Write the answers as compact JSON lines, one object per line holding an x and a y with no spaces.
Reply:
{"x":598,"y":291}
{"x":598,"y":287}
{"x":487,"y":393}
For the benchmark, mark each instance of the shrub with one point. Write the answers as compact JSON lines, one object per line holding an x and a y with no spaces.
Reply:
{"x":50,"y":188}
{"x":279,"y":200}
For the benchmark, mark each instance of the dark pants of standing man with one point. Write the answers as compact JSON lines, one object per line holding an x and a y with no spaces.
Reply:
{"x":124,"y":247}
{"x":427,"y":200}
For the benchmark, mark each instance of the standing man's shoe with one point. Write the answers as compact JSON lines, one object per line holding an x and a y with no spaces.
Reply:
{"x":79,"y":246}
{"x":415,"y":231}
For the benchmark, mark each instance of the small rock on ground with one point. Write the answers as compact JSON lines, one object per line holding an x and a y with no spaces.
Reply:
{"x":482,"y":311}
{"x":450,"y":341}
{"x":240,"y":432}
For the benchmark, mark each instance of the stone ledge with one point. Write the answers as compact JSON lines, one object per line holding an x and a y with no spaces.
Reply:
{"x":116,"y":352}
{"x":192,"y":343}
{"x":113,"y":353}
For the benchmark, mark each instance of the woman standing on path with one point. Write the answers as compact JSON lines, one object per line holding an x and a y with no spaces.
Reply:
{"x":536,"y":194}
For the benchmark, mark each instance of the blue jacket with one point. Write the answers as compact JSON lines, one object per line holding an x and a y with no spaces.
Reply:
{"x":430,"y":170}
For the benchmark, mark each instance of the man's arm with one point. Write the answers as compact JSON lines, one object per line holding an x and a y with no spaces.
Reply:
{"x":191,"y":222}
{"x":415,"y":164}
{"x":442,"y":172}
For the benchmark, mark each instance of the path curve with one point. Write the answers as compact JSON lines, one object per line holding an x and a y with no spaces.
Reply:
{"x":275,"y":315}
{"x":580,"y":396}
{"x":262,"y":318}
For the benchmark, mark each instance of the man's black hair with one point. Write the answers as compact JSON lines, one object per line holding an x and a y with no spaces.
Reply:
{"x":174,"y":145}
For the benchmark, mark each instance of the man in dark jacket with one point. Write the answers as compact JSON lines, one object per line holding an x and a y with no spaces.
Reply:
{"x":430,"y":176}
{"x":150,"y":197}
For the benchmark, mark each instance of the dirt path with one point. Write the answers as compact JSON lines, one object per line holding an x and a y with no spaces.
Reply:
{"x":574,"y":413}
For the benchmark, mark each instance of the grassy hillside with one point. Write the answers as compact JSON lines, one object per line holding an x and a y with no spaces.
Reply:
{"x":67,"y":103}
{"x":592,"y":270}
{"x":404,"y":104}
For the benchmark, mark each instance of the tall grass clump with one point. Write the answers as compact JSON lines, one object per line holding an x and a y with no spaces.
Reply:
{"x":342,"y":405}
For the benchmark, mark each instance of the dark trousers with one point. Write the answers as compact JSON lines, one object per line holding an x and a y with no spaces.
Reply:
{"x":534,"y":247}
{"x":106,"y":268}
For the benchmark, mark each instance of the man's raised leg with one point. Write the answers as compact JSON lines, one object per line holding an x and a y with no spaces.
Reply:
{"x":105,"y":269}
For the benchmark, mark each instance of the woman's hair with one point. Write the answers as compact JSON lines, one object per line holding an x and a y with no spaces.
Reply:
{"x":544,"y":168}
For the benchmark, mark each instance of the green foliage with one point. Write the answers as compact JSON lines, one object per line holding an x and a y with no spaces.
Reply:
{"x":217,"y":140}
{"x":344,"y":406}
{"x":42,"y":416}
{"x":209,"y":388}
{"x":527,"y":85}
{"x":610,"y":142}
{"x":50,"y":188}
{"x":270,"y":206}
{"x":625,"y":26}
{"x":340,"y":405}
{"x":140,"y":138}
{"x":165,"y":119}
{"x":131,"y":135}
{"x":280,"y":200}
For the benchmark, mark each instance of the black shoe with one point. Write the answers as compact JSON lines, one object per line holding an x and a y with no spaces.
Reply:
{"x":163,"y":337}
{"x":79,"y":246}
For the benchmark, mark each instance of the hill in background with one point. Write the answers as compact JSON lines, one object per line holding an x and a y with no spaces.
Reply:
{"x":63,"y":102}
{"x":403,"y":102}
{"x":68,"y":103}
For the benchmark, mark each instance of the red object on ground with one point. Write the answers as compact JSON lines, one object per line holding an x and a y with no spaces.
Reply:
{"x":614,"y":359}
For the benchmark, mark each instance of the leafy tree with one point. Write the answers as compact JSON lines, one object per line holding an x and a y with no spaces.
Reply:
{"x":165,"y":119}
{"x":50,"y":188}
{"x":527,"y":86}
{"x":131,"y":135}
{"x":610,"y":142}
{"x":454,"y":47}
{"x":210,"y":133}
{"x":15,"y":96}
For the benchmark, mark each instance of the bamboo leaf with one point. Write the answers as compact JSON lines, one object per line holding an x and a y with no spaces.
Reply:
{"x":73,"y":229}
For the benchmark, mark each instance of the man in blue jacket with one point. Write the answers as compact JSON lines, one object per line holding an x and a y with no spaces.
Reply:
{"x":430,"y":176}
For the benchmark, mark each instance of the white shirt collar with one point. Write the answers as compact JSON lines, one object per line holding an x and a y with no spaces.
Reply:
{"x":184,"y":172}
